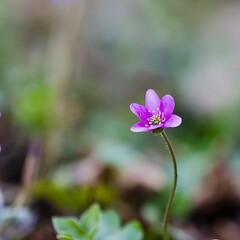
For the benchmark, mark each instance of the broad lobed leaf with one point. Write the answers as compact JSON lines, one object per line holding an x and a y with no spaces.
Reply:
{"x":68,"y":227}
{"x":90,"y":220}
{"x":96,"y":225}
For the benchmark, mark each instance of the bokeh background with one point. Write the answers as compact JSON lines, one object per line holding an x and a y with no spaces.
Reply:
{"x":69,"y":69}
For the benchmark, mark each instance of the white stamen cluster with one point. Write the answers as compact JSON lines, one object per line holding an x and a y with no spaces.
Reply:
{"x":156,"y":119}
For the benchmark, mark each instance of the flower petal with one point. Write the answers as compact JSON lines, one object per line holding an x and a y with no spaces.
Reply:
{"x":152,"y":100}
{"x":167,"y":106}
{"x":173,"y":121}
{"x":140,"y":111}
{"x":140,"y":127}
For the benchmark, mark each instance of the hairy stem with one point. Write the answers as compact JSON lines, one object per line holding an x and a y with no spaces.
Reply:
{"x":170,"y":201}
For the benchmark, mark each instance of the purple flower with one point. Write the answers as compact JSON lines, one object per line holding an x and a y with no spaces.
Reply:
{"x":156,"y":114}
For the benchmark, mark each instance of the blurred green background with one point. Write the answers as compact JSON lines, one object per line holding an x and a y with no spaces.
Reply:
{"x":69,"y":69}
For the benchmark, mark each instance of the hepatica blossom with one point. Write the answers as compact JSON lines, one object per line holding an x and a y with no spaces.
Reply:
{"x":156,"y":113}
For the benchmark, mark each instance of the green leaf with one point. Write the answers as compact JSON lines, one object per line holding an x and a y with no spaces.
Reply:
{"x":64,"y":237}
{"x":90,"y":221}
{"x":131,"y":231}
{"x":67,"y":227}
{"x":110,"y":223}
{"x":67,"y":237}
{"x":96,"y":225}
{"x":111,"y":220}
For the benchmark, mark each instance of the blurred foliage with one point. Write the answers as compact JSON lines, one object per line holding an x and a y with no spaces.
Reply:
{"x":73,"y":200}
{"x":34,"y":108}
{"x":96,"y":225}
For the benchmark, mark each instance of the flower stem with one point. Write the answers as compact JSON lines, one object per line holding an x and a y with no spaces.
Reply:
{"x":170,"y":201}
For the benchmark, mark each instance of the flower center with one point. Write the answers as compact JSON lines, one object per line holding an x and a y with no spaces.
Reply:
{"x":156,"y":119}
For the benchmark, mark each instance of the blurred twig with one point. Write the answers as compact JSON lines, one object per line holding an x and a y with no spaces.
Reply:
{"x":59,"y":72}
{"x":29,"y":169}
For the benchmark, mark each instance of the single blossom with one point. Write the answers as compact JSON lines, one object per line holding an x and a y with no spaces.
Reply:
{"x":156,"y":113}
